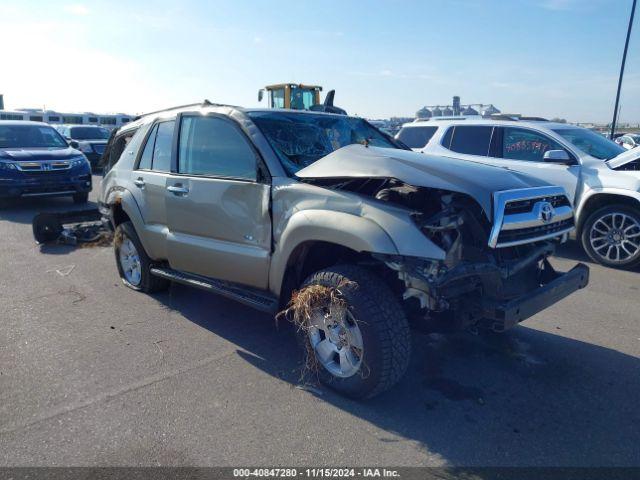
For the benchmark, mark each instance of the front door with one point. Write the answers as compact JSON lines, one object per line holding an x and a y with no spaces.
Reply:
{"x":217,"y":204}
{"x":523,"y":149}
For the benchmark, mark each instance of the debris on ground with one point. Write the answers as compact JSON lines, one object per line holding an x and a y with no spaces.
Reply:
{"x":83,"y":228}
{"x":62,"y":271}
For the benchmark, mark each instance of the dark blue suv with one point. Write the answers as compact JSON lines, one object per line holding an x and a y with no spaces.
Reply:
{"x":35,"y":161}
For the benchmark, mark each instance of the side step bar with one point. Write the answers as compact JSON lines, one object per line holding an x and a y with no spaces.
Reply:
{"x":248,"y":296}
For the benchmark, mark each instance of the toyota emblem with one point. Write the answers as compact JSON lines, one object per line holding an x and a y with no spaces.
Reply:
{"x":547,"y":212}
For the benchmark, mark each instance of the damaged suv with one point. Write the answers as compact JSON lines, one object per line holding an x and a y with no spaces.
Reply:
{"x":335,"y":223}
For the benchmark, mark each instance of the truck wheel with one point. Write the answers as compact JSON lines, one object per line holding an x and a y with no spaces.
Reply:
{"x":133,"y":263}
{"x":611,"y":236}
{"x":80,"y":198}
{"x":359,"y":342}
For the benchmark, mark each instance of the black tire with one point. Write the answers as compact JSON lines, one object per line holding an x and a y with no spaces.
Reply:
{"x":383,"y":325}
{"x":588,"y":233}
{"x":148,"y":283}
{"x":80,"y":198}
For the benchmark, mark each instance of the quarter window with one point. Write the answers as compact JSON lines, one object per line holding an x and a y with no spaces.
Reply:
{"x":416,"y":137}
{"x":214,"y":146}
{"x":521,"y":144}
{"x":147,"y":153}
{"x":471,"y":140}
{"x":162,"y":148}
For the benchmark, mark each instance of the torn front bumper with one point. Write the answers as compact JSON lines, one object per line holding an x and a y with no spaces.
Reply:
{"x":501,"y":316}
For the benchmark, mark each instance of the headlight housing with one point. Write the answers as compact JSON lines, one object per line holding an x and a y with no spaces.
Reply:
{"x":79,"y":161}
{"x":7,"y":165}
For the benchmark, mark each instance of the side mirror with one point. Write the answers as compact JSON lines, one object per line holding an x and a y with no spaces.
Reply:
{"x":73,"y":144}
{"x":557,"y":156}
{"x":260,"y":94}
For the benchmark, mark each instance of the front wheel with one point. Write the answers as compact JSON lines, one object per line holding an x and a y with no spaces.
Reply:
{"x":355,"y":332}
{"x":134,"y":265}
{"x":611,"y":236}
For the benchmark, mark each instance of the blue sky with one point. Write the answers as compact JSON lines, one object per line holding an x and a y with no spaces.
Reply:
{"x":384,"y":58}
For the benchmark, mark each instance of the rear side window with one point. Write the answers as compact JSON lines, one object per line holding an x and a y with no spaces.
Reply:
{"x":471,"y":140}
{"x":416,"y":137}
{"x":157,"y":152}
{"x":215,"y":147}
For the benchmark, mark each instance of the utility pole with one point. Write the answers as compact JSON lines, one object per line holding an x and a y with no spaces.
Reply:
{"x":624,"y":59}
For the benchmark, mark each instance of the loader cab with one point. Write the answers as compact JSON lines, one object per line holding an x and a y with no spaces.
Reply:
{"x":291,"y":96}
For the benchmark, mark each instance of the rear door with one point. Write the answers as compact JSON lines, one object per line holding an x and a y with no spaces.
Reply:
{"x":149,"y":177}
{"x":218,"y":203}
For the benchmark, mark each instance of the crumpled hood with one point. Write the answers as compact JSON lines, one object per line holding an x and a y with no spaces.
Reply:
{"x":31,"y":154}
{"x":624,"y":158}
{"x":474,"y":179}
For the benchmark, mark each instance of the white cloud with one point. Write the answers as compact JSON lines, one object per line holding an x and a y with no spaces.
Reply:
{"x":76,"y":9}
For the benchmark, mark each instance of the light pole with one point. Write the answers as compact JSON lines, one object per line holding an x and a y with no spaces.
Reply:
{"x":624,"y":59}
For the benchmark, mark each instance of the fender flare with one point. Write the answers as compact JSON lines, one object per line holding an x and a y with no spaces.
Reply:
{"x":125,"y":199}
{"x":620,"y":192}
{"x":345,"y":229}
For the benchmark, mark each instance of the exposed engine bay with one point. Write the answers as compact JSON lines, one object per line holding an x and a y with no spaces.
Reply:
{"x":457,"y":291}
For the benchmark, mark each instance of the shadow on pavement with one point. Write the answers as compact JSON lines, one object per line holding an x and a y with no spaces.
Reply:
{"x":573,"y":251}
{"x":23,"y":210}
{"x":524,"y":398}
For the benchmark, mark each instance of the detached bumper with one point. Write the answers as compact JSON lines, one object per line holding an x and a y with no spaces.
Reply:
{"x":503,"y":316}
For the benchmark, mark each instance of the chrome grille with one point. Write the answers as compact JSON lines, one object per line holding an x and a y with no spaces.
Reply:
{"x":44,"y":167}
{"x":530,"y":215}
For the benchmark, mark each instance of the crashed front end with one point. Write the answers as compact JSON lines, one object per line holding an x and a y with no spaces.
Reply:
{"x":494,"y":275}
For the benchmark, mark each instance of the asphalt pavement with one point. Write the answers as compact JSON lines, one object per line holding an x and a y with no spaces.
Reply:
{"x":92,"y":373}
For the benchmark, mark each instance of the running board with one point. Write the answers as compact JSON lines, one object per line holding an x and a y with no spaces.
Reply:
{"x":248,"y":296}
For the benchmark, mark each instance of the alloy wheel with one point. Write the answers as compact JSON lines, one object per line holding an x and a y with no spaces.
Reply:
{"x":130,"y":262}
{"x":615,"y":237}
{"x":336,"y":340}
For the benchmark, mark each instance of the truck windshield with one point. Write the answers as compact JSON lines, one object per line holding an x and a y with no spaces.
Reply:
{"x":30,"y":136}
{"x":88,"y":133}
{"x":300,"y":139}
{"x":590,"y":142}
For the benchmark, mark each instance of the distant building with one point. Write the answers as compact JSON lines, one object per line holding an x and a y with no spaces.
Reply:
{"x":456,"y":109}
{"x":109,"y":120}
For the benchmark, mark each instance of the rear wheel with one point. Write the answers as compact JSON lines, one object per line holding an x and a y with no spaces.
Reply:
{"x":358,"y":339}
{"x":80,"y":198}
{"x":134,"y":265}
{"x":611,"y":236}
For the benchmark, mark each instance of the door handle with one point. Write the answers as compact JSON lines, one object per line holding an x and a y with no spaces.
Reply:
{"x":139,"y":182}
{"x":178,"y":190}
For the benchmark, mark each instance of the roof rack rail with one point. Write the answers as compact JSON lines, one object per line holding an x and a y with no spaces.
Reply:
{"x":204,"y":103}
{"x":535,"y":119}
{"x":502,"y":116}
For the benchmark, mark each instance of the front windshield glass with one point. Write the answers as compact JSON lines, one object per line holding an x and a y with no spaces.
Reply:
{"x":30,"y":136}
{"x":89,"y":133}
{"x":590,"y":142}
{"x":301,"y":139}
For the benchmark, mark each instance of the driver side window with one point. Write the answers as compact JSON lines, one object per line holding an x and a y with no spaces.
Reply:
{"x":523,"y":144}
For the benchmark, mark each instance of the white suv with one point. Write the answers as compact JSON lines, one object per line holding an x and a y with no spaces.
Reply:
{"x":601,"y":177}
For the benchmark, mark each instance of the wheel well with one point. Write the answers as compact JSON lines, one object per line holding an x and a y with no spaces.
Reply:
{"x":118,"y":215}
{"x":309,"y":257}
{"x":601,"y":200}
